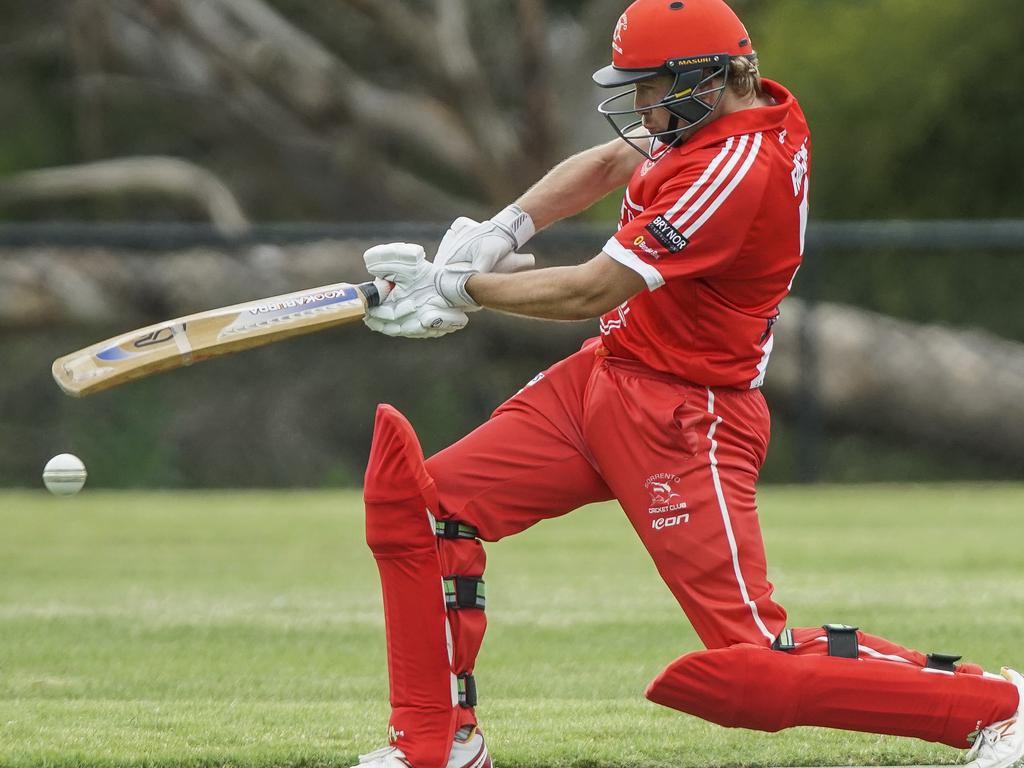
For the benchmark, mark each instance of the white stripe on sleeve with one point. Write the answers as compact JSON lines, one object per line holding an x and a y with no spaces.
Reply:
{"x":631,"y":204}
{"x":627,"y":258}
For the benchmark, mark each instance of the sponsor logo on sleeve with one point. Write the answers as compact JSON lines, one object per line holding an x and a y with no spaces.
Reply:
{"x":670,"y":237}
{"x":641,"y":243}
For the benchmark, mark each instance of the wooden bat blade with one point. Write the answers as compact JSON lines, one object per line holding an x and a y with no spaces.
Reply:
{"x":186,"y":340}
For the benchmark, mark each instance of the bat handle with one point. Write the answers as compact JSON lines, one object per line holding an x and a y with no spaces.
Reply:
{"x":375,"y":292}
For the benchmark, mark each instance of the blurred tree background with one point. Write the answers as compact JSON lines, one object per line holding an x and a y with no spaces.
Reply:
{"x":402,"y":111}
{"x":393,"y":109}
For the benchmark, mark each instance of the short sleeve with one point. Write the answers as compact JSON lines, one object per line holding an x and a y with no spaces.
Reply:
{"x":699,"y":220}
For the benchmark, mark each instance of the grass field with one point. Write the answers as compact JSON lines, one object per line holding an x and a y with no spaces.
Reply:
{"x":244,"y":629}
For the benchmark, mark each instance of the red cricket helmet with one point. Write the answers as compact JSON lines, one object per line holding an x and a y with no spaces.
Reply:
{"x":693,"y":40}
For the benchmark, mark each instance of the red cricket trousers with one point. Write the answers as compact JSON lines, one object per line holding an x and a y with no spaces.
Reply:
{"x":683,"y":461}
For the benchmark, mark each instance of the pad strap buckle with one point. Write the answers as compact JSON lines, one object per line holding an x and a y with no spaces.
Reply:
{"x":944,"y":662}
{"x":464,"y":592}
{"x":842,"y":640}
{"x":467,"y":690}
{"x":453,"y":529}
{"x":785,"y":641}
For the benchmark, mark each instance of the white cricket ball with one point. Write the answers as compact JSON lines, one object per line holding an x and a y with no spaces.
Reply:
{"x":64,"y":474}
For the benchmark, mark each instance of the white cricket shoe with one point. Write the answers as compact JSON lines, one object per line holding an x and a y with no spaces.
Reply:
{"x":468,"y":751}
{"x":1001,"y":745}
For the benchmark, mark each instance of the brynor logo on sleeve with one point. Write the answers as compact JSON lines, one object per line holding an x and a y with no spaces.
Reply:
{"x":667,"y":235}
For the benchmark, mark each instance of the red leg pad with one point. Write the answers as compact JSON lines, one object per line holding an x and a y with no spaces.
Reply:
{"x":398,"y":495}
{"x":747,"y":686}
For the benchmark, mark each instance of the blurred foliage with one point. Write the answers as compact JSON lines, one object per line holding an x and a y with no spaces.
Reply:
{"x":966,"y":289}
{"x":300,"y":413}
{"x":37,"y":127}
{"x":914,"y":105}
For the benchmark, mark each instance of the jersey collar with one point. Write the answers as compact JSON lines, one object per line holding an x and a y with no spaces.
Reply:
{"x":747,"y":120}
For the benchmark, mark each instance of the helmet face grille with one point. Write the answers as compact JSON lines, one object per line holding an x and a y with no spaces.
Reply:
{"x":677,"y":37}
{"x":695,"y":93}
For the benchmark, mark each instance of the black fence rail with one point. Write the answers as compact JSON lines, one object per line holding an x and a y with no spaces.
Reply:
{"x":988,"y":235}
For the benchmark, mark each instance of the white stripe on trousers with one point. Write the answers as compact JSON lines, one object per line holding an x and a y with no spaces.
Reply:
{"x":728,"y":523}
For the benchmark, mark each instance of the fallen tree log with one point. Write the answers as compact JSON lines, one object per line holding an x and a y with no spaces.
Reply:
{"x":867,"y":372}
{"x":872,"y":372}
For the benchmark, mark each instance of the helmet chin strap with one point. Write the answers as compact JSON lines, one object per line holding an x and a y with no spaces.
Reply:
{"x":673,"y":127}
{"x":675,"y":118}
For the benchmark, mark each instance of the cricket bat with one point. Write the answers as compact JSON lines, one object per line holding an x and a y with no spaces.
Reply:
{"x":186,"y":340}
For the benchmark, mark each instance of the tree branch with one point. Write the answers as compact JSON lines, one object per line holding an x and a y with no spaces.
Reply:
{"x":165,"y":176}
{"x":257,"y":43}
{"x":539,"y":120}
{"x":474,"y":94}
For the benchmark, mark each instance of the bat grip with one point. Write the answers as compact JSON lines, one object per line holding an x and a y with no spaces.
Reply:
{"x":375,"y":291}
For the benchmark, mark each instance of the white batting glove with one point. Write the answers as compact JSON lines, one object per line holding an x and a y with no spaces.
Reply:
{"x":483,"y":246}
{"x":413,"y":308}
{"x":469,"y":247}
{"x":458,"y":232}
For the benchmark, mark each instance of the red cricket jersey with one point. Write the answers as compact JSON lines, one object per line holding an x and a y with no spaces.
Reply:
{"x":716,"y":229}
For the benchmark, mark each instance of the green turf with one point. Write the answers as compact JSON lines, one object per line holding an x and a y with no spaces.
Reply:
{"x":244,"y":629}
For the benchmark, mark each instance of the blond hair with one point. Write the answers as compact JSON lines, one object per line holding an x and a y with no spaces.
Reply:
{"x":744,"y":76}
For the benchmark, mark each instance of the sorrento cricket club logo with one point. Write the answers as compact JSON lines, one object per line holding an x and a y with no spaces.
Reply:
{"x":620,"y":26}
{"x":664,"y":497}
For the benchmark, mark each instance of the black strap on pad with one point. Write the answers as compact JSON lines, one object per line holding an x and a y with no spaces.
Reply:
{"x":784,"y":642}
{"x":942,"y":661}
{"x":453,"y":529}
{"x":467,"y":690}
{"x":842,"y":640}
{"x":464,"y":592}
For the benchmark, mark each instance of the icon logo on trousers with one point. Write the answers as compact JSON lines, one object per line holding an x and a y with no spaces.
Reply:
{"x":659,"y":523}
{"x":394,"y":735}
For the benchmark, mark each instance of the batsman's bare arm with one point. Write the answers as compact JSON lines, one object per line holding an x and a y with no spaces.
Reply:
{"x":559,"y":293}
{"x":567,"y":293}
{"x":578,"y":182}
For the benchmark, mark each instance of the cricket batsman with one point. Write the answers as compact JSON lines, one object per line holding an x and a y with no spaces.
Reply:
{"x":662,"y":411}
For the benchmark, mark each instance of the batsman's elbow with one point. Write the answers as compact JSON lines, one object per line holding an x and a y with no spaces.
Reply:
{"x":589,"y":307}
{"x":602,"y":284}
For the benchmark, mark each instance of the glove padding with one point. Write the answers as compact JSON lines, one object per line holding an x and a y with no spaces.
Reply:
{"x":413,"y":309}
{"x":487,"y":246}
{"x":469,"y":247}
